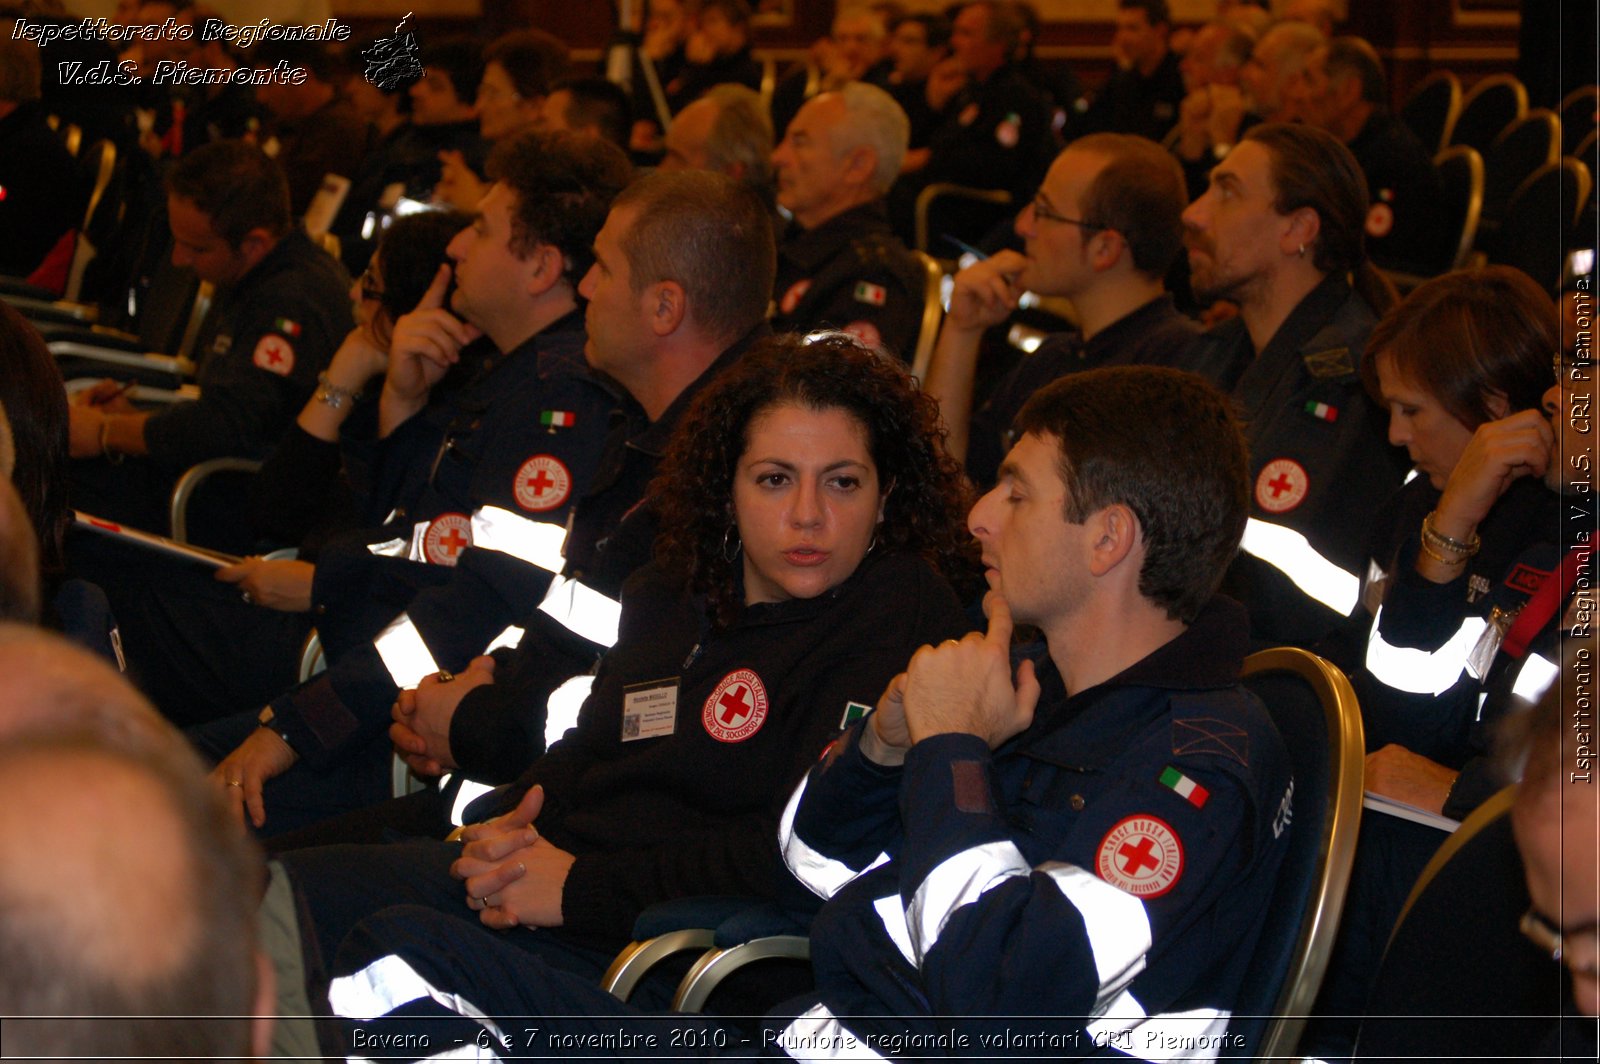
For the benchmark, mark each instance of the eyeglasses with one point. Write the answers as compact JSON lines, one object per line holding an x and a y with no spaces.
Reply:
{"x":1570,"y":367}
{"x":1046,"y":213}
{"x":1579,"y":948}
{"x":369,"y":285}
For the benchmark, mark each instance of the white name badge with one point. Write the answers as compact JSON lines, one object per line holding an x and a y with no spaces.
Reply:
{"x":649,"y":710}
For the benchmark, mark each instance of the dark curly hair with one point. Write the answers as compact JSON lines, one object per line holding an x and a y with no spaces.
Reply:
{"x":925,"y":512}
{"x":564,"y":185}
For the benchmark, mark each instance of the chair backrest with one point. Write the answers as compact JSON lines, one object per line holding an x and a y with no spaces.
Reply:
{"x":1461,"y":174}
{"x":1457,"y":979}
{"x":1579,"y":111}
{"x":1532,"y":141}
{"x":932,"y":314}
{"x":1431,"y":109}
{"x":987,"y":204}
{"x":1315,"y":711}
{"x":97,"y":163}
{"x":1492,"y":105}
{"x":1541,"y":213}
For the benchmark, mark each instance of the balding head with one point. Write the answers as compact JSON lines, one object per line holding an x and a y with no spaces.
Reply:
{"x":48,"y":685}
{"x":125,"y":891}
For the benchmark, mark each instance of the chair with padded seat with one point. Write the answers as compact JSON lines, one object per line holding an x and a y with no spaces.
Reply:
{"x":1544,"y":209}
{"x":1532,"y":141}
{"x":1491,"y":105}
{"x":1457,"y":978}
{"x":1579,"y":113}
{"x":1461,"y":176}
{"x":932,"y":314}
{"x":1430,"y":111}
{"x":946,"y":213}
{"x":1314,"y":708}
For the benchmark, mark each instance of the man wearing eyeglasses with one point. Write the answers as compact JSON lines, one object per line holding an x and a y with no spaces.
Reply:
{"x":1101,"y":233}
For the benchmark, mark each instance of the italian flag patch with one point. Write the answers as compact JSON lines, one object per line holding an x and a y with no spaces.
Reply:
{"x":287,"y":327}
{"x":564,"y":419}
{"x":1322,"y":410}
{"x":1187,"y":788}
{"x":873,"y":294}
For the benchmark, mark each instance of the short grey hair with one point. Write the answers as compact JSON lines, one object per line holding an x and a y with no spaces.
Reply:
{"x":741,"y":134}
{"x":874,"y":120}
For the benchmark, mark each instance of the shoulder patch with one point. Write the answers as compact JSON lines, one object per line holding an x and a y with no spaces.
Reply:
{"x":736,"y":707}
{"x":872,"y":294}
{"x":1334,"y":362}
{"x":447,"y":536}
{"x":793,"y":296}
{"x":1141,"y":855}
{"x":1281,"y":485}
{"x":1208,"y":735}
{"x":274,"y":354}
{"x":867,"y":333}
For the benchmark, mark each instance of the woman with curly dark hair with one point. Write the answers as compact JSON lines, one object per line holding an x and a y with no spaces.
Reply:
{"x":923,"y":496}
{"x":807,"y":505}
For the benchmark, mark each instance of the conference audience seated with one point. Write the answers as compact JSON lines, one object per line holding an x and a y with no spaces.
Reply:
{"x":1408,"y":222}
{"x":839,"y":265}
{"x":1279,"y":232}
{"x":1143,"y":94}
{"x":279,"y":310}
{"x":1101,"y":232}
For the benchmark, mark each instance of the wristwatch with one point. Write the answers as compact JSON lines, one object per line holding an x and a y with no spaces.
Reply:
{"x":269,"y":720}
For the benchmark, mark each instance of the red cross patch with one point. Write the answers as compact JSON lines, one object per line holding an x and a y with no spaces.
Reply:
{"x":866,"y":334}
{"x":447,"y":536}
{"x":736,"y":708}
{"x":542,"y":483}
{"x":1141,"y":856}
{"x":1380,"y":219}
{"x":1281,"y":485}
{"x":793,"y":296}
{"x":274,"y":354}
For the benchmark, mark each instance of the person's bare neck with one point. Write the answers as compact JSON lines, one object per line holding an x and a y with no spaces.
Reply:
{"x":1113,"y":298}
{"x":674,"y":368}
{"x":1100,"y":642}
{"x":554,"y":305}
{"x":1268,"y":305}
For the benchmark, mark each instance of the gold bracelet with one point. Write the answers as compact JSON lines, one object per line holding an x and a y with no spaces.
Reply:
{"x":1443,"y":542}
{"x":1440,"y":558}
{"x":114,"y":457}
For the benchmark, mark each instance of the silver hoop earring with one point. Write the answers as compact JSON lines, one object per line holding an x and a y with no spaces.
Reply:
{"x":737,"y":545}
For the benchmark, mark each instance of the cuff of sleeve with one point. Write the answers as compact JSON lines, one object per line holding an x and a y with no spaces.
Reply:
{"x":946,"y":801}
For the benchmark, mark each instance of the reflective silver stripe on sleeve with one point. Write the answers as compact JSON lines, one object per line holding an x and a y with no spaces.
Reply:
{"x":1534,"y":677}
{"x":822,"y":875}
{"x":404,"y":653}
{"x":535,"y":542}
{"x":390,"y":982}
{"x":817,"y":1034}
{"x":508,"y":639}
{"x":893,"y":916}
{"x":561,"y":708}
{"x":1196,"y":1035}
{"x":1116,"y":923}
{"x":958,"y":881}
{"x":391,"y":548}
{"x":1292,"y":554}
{"x":1420,"y":672}
{"x":582,"y":610}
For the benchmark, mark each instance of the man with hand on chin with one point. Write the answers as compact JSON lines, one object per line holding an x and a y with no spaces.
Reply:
{"x":1097,"y":838}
